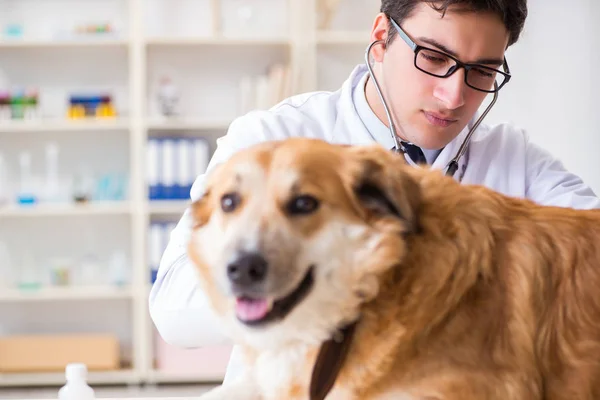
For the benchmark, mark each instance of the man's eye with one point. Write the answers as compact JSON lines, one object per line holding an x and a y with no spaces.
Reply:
{"x":435,"y":59}
{"x":485,"y":73}
{"x":432,"y":58}
{"x":304,"y":204}
{"x":230,"y":201}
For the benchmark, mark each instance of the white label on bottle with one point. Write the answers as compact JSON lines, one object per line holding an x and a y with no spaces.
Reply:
{"x":152,"y":160}
{"x":201,"y":155}
{"x":168,"y":162}
{"x":184,"y":162}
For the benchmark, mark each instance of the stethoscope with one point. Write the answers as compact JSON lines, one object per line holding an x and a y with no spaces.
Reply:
{"x":453,"y":164}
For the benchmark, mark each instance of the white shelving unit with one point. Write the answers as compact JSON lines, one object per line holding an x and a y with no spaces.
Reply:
{"x":66,"y":294}
{"x":97,"y":208}
{"x":168,"y":207}
{"x":188,"y":124}
{"x":57,"y":379}
{"x":43,"y":44}
{"x":60,"y":125}
{"x":201,"y":43}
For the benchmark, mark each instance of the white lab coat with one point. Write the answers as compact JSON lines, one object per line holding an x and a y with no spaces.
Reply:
{"x":500,"y":157}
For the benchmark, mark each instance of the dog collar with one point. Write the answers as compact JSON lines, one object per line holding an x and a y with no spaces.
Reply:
{"x":330,"y":360}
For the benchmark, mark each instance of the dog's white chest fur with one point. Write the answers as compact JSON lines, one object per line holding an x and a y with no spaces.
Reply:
{"x":282,"y":369}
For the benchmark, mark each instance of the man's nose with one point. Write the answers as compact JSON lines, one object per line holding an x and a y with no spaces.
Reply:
{"x":451,"y":90}
{"x":247,"y":270}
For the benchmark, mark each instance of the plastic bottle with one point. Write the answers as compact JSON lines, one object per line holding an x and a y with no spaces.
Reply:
{"x":89,"y":269}
{"x":51,"y":189}
{"x":30,"y":111}
{"x":118,"y":269}
{"x":4,"y":197}
{"x":6,"y":274}
{"x":5,"y":110}
{"x":26,"y":191}
{"x":17,"y":102}
{"x":76,"y":387}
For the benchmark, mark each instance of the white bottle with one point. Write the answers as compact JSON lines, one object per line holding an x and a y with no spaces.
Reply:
{"x":51,"y":189}
{"x":26,"y":191}
{"x":6,"y":275}
{"x":118,"y":269}
{"x":76,"y":387}
{"x":4,"y":197}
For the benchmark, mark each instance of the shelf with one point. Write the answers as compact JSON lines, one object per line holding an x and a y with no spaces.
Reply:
{"x":184,"y":124}
{"x":168,"y":207}
{"x":343,"y":37}
{"x":208,"y":71}
{"x":64,"y":125}
{"x":157,"y":376}
{"x":66,"y":293}
{"x":216,"y":41}
{"x":66,"y":210}
{"x":67,"y":43}
{"x":58,"y":378}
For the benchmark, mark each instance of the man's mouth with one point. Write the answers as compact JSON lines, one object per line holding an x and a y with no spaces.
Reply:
{"x":439,"y":120}
{"x":255,"y":311}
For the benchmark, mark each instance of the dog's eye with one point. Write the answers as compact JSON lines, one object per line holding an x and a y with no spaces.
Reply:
{"x":229,"y":202}
{"x":304,"y":204}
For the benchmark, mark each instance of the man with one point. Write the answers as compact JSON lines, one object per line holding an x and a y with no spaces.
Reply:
{"x":432,"y":98}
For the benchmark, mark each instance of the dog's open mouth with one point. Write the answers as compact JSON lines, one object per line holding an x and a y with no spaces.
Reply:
{"x":259,"y":311}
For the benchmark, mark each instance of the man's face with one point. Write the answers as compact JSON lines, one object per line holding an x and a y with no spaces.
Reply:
{"x":427,"y":110}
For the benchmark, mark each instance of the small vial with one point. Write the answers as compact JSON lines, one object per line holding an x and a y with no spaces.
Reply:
{"x":51,"y":189}
{"x":26,"y":191}
{"x":4,"y":197}
{"x":76,"y":387}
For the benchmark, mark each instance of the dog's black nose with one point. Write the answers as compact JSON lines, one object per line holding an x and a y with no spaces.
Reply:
{"x":249,"y":269}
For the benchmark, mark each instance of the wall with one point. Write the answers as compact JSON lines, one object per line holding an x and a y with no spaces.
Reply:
{"x":555,"y":80}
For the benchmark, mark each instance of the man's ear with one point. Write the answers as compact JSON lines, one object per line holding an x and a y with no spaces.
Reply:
{"x":382,"y":185}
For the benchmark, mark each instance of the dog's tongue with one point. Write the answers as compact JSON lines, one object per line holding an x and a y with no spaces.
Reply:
{"x":252,"y":309}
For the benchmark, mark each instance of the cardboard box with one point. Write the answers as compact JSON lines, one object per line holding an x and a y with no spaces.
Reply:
{"x":209,"y":361}
{"x":52,"y":353}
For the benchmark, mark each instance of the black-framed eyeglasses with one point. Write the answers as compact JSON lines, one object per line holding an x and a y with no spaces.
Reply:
{"x":442,"y":65}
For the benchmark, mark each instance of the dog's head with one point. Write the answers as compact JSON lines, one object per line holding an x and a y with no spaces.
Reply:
{"x":291,"y":237}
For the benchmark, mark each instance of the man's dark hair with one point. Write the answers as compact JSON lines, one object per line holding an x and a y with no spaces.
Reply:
{"x":512,"y":12}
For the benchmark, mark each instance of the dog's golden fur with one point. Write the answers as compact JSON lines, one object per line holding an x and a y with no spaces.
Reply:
{"x":461,"y":292}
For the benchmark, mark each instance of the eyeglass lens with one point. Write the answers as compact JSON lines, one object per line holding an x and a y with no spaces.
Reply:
{"x":439,"y":64}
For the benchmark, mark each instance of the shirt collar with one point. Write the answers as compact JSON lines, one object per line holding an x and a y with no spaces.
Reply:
{"x":376,"y":128}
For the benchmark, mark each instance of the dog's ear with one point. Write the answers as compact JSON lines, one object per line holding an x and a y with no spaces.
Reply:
{"x":201,"y":210}
{"x":382,"y":185}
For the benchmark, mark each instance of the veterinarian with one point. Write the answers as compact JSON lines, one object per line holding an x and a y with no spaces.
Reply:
{"x":432,"y":116}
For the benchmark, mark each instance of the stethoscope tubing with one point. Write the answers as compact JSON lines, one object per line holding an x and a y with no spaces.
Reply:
{"x":453,"y":164}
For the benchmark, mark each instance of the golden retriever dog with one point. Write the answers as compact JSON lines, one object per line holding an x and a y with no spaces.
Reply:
{"x":344,"y":273}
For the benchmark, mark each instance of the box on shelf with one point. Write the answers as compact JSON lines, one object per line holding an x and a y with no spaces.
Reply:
{"x":52,"y":353}
{"x":96,"y":105}
{"x":203,"y":361}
